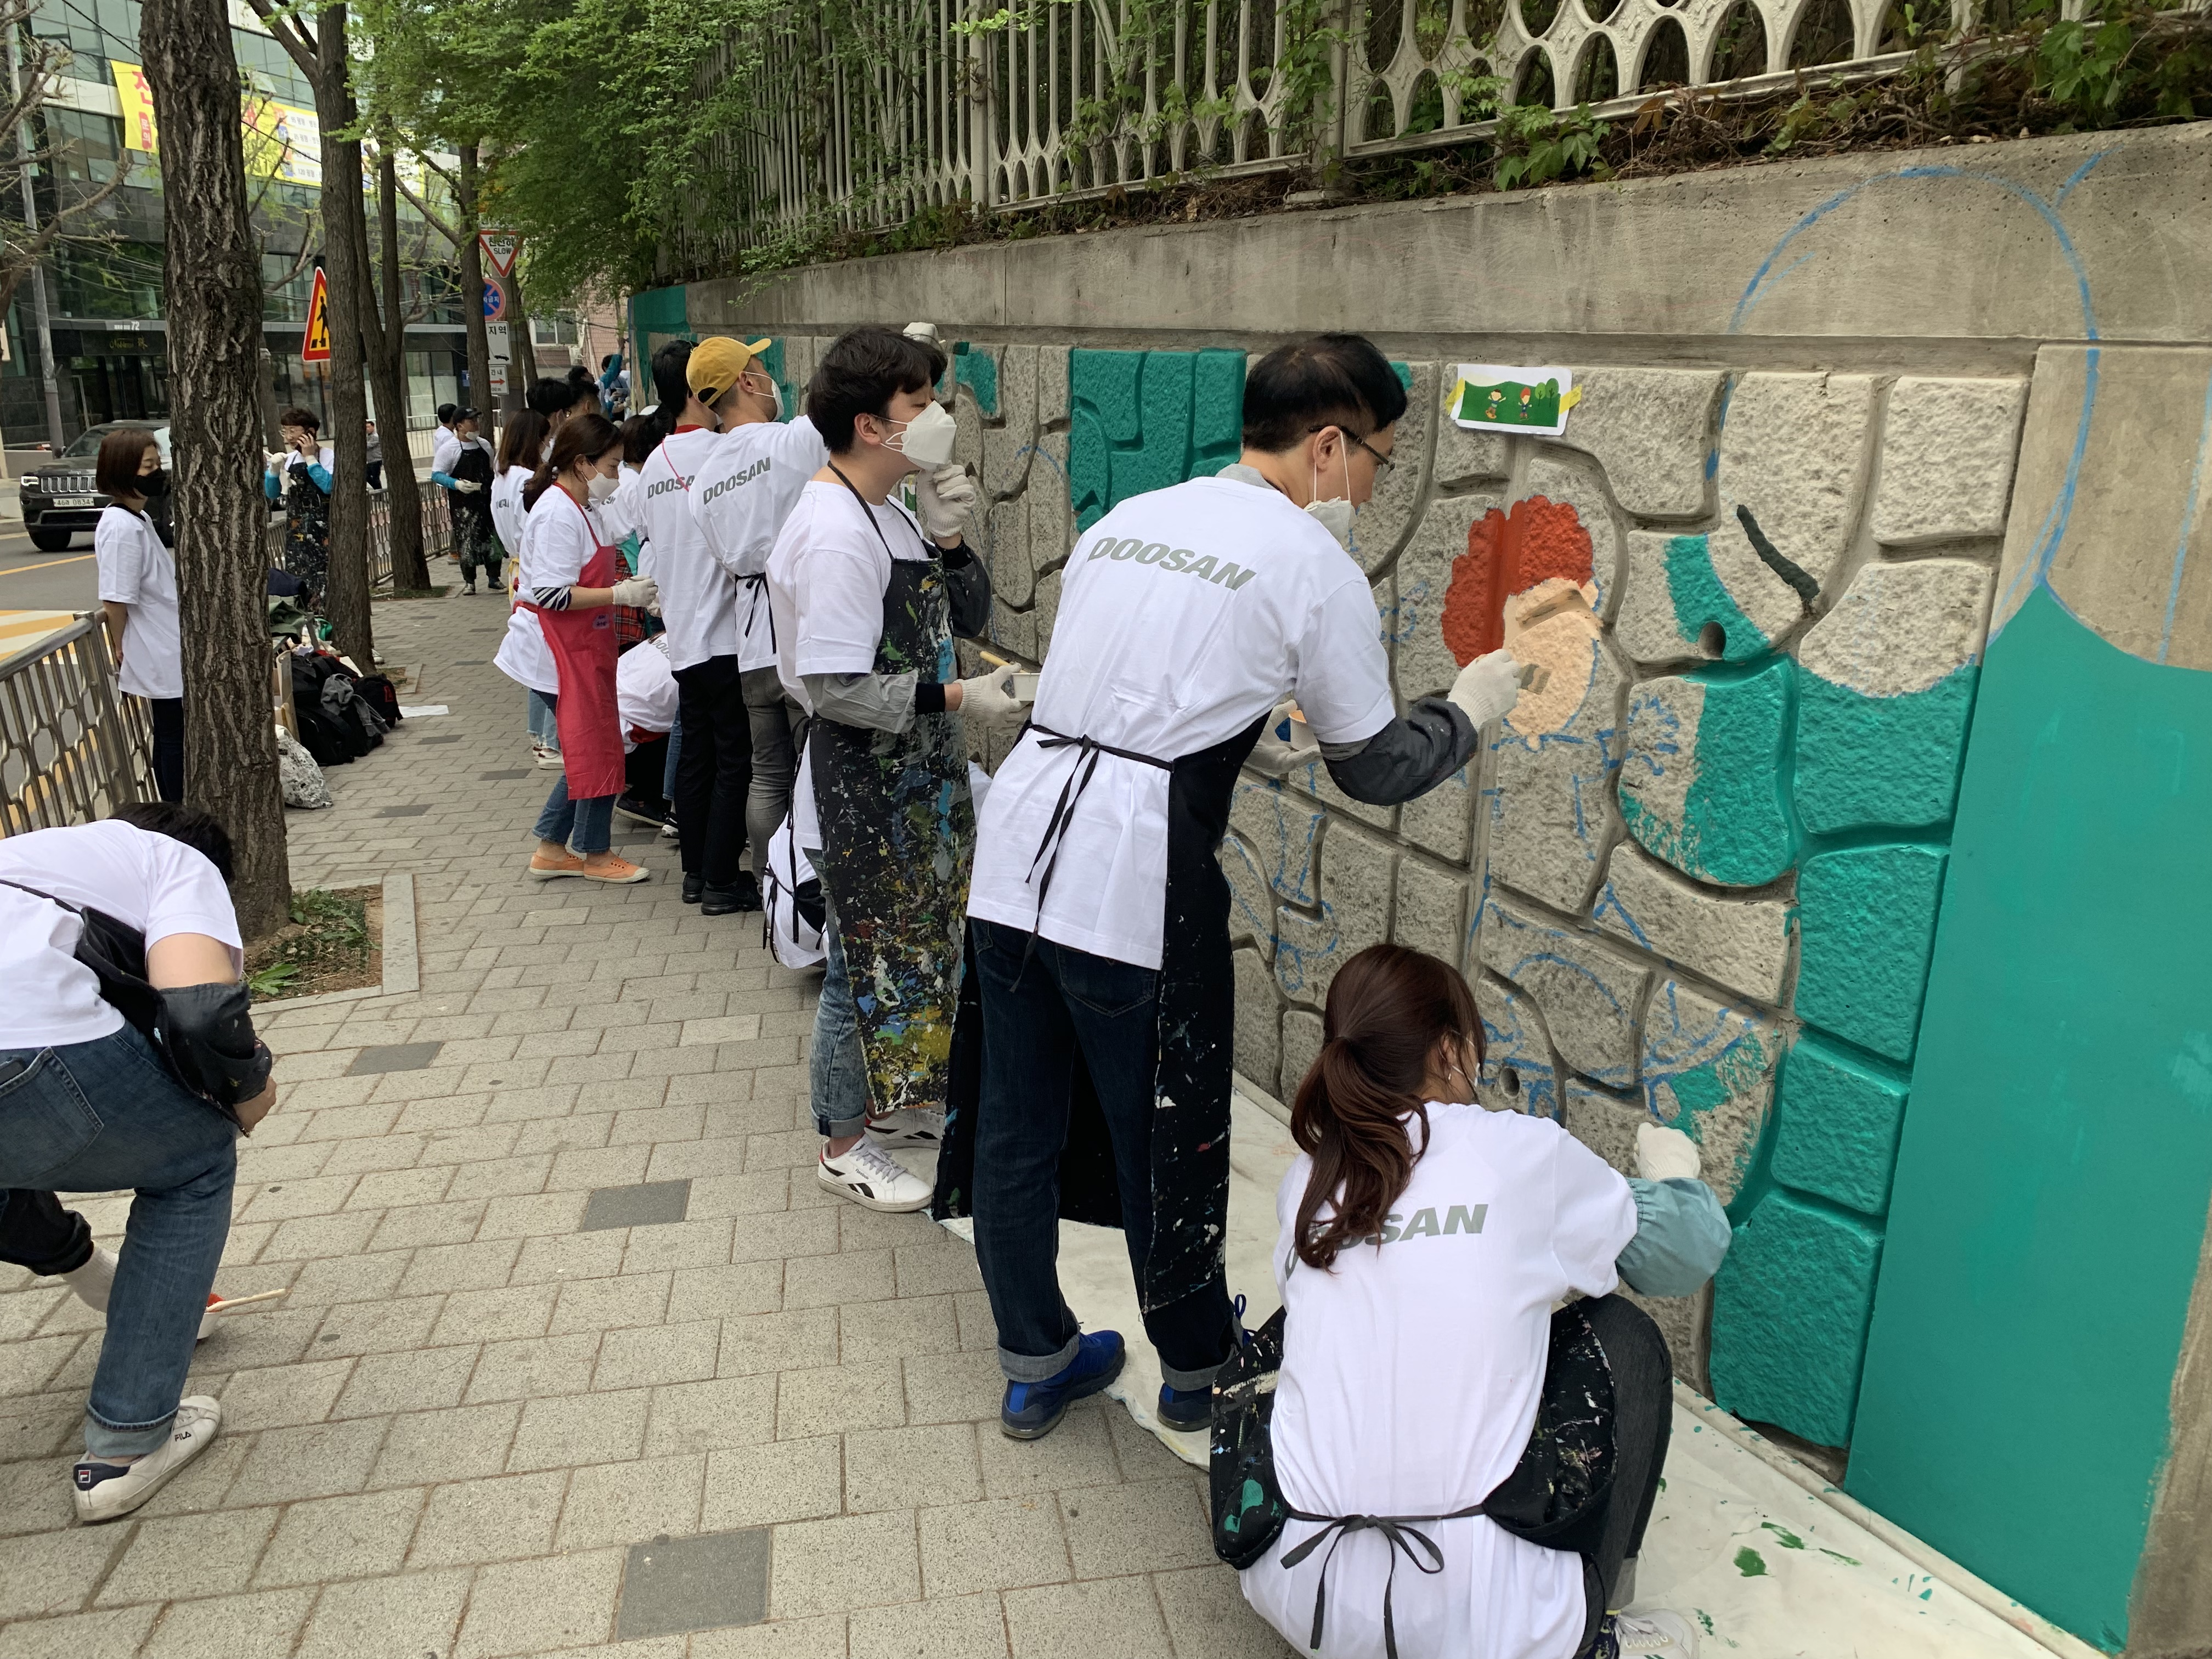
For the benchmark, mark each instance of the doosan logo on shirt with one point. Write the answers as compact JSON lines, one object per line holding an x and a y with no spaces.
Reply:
{"x":723,"y":487}
{"x":1458,"y":1219}
{"x":1182,"y":560}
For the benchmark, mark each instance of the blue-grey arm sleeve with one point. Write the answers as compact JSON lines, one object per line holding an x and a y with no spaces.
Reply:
{"x":271,"y":487}
{"x":321,"y":476}
{"x":1410,"y":757}
{"x":1681,"y":1234}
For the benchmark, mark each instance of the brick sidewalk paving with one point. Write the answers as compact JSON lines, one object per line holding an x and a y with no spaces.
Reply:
{"x":484,"y":1423}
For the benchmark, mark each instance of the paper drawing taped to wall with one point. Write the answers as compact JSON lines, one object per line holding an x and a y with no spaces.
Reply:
{"x":1533,"y":401}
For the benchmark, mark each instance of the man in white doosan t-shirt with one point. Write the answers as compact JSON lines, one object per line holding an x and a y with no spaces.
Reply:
{"x":1099,"y":912}
{"x":700,"y":602}
{"x":740,"y":499}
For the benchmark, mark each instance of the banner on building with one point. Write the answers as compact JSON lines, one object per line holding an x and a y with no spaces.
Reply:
{"x":282,"y":141}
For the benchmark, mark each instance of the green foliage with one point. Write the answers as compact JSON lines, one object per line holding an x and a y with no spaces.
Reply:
{"x":1537,"y":146}
{"x":270,"y":982}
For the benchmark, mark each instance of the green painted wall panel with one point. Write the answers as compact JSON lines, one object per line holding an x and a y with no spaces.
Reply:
{"x":1790,"y":1317}
{"x":1143,"y":420}
{"x":1864,"y":762}
{"x":1866,"y":918}
{"x":2054,"y":1174}
{"x":1700,"y":599}
{"x":1838,"y":1119}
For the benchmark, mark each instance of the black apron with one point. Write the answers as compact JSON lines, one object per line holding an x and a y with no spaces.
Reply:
{"x":1197,"y":1033}
{"x":307,"y":533}
{"x":898,"y":842}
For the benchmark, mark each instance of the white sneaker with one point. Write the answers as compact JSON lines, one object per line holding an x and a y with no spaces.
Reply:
{"x":873,"y":1179}
{"x":1660,"y":1635}
{"x":668,"y":832}
{"x":105,"y":1491}
{"x":910,"y":1126}
{"x":93,"y":1280}
{"x":549,"y":758}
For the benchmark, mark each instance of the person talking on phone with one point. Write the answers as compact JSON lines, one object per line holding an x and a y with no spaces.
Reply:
{"x":1099,"y":910}
{"x":110,"y":932}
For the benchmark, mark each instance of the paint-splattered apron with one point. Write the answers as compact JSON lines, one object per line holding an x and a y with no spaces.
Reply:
{"x":1197,"y":1034}
{"x":307,"y":532}
{"x":583,"y":646}
{"x":898,"y":840}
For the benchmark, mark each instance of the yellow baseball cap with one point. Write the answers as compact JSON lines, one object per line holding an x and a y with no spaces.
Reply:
{"x":716,"y":362}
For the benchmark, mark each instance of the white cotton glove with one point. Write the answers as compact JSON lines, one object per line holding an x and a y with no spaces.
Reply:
{"x":947,"y":500}
{"x":467,"y":486}
{"x":277,"y":459}
{"x":1487,"y":688}
{"x":640,"y":591}
{"x":989,"y":698}
{"x":1275,"y":756}
{"x":1666,"y":1154}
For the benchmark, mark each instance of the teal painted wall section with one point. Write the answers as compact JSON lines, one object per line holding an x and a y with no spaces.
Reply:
{"x":1864,"y":761}
{"x":1144,"y":419}
{"x":1867,"y":921}
{"x":1700,"y":599}
{"x":1725,"y":817}
{"x":2055,"y":1171}
{"x":1790,"y":1312}
{"x":1840,"y":1114}
{"x":774,"y":360}
{"x":978,"y":371}
{"x":656,"y":311}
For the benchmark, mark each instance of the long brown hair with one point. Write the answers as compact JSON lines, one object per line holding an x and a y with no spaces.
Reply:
{"x":581,"y":438}
{"x":1388,"y":1008}
{"x":519,"y":444}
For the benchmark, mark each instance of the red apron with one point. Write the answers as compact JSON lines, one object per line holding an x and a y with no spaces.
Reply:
{"x":584,"y":651}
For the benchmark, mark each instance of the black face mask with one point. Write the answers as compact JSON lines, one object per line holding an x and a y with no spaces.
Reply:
{"x":155,"y":483}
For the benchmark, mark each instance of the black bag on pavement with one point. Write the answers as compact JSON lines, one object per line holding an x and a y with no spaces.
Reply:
{"x":376,"y":692}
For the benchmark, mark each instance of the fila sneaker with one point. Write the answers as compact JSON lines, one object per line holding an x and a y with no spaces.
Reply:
{"x":873,"y":1179}
{"x":1032,"y":1410}
{"x":909,"y":1126}
{"x":105,"y":1491}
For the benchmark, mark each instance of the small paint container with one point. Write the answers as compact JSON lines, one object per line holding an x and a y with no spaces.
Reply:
{"x":1024,"y":687}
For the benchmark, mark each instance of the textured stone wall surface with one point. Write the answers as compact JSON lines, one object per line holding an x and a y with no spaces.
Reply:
{"x":1694,"y":877}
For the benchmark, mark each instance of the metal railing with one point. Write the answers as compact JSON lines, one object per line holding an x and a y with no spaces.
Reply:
{"x":870,"y":111}
{"x":437,"y":533}
{"x":73,"y":748}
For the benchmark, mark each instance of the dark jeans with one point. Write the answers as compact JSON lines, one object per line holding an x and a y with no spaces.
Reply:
{"x":1643,"y":1416}
{"x":1035,"y":1022}
{"x":36,"y":1233}
{"x":169,"y":717}
{"x":374,"y":471}
{"x":715,"y":771}
{"x":645,"y":769}
{"x":92,"y":1117}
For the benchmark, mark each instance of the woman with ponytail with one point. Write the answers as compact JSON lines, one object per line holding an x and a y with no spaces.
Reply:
{"x":568,"y":582}
{"x":1426,"y":1242}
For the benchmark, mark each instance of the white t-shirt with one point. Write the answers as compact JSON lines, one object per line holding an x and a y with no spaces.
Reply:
{"x":136,"y":570}
{"x":698,"y":598}
{"x":826,"y":578}
{"x":740,"y":499}
{"x":150,"y":882}
{"x":645,"y":690}
{"x":1410,"y":1380}
{"x":630,"y":500}
{"x":560,"y":538}
{"x":1185,"y":615}
{"x":506,"y":494}
{"x":445,"y":449}
{"x":327,"y":457}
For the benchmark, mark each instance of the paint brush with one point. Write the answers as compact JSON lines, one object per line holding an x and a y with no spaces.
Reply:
{"x":228,"y":1304}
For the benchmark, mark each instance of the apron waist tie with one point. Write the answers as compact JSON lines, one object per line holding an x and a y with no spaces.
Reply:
{"x":1401,"y":1533}
{"x":759,"y":582}
{"x":1088,"y":749}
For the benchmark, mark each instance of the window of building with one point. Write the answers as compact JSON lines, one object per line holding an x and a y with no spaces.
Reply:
{"x":113,"y":279}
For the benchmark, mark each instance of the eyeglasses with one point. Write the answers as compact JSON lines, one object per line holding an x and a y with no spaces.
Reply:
{"x":1382,"y":463}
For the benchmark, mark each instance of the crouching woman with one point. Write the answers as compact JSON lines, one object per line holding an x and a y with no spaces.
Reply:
{"x":1426,"y":1243}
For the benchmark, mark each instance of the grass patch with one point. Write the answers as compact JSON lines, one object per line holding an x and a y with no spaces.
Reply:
{"x":333,"y":942}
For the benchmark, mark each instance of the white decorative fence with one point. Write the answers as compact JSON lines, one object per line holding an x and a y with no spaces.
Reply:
{"x":868,"y":111}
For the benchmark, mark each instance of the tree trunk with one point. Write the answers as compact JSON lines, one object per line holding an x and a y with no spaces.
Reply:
{"x":345,"y":244}
{"x":264,"y":396}
{"x":526,"y":354}
{"x":402,"y":498}
{"x":473,"y":288}
{"x":213,"y":276}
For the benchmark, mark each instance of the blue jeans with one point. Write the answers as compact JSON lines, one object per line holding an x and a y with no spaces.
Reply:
{"x":837,"y":1068}
{"x":542,"y":725}
{"x":1036,"y":1020}
{"x":586,"y":826}
{"x":675,"y":749}
{"x":91,"y":1117}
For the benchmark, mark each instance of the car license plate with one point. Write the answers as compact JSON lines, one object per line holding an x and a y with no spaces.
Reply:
{"x":76,"y":501}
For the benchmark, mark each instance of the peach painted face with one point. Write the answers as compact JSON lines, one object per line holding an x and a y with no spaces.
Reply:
{"x":1553,"y":625}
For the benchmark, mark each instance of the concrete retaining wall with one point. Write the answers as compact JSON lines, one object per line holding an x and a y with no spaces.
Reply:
{"x":1701,"y":876}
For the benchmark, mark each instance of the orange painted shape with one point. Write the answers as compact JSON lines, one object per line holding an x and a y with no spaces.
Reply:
{"x":1542,"y":541}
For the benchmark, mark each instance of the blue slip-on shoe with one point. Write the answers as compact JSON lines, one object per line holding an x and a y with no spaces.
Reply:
{"x":1186,"y":1408}
{"x":1033,"y":1410}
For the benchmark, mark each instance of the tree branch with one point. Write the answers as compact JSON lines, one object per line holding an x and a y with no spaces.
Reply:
{"x":291,"y":33}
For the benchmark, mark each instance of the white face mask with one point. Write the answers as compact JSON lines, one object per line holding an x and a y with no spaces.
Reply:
{"x":775,"y":396}
{"x":927,"y":439}
{"x":601,"y":486}
{"x":1335,"y":517}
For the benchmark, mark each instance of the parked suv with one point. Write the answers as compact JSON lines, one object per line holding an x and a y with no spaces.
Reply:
{"x":58,"y":498}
